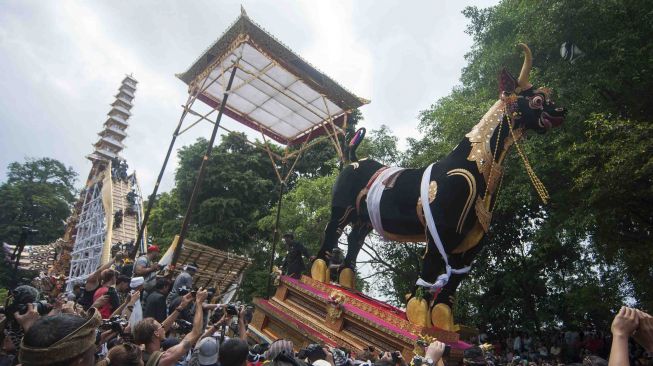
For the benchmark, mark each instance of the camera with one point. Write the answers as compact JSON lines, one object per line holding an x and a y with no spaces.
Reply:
{"x":42,"y":307}
{"x":231,"y":310}
{"x":22,"y":296}
{"x":396,"y":357}
{"x":182,"y":291}
{"x":184,"y":326}
{"x":115,"y":323}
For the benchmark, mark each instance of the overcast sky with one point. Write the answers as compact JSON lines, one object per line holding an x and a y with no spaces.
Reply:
{"x":61,"y":63}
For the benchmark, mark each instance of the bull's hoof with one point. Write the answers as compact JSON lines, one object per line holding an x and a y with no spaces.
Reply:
{"x":442,"y":317}
{"x":417,"y":312}
{"x":347,"y":278}
{"x":320,"y":271}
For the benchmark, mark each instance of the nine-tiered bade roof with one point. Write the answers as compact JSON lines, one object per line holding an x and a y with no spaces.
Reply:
{"x":275,"y":91}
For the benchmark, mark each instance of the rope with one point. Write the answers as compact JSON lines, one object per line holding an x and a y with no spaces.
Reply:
{"x":537,"y":183}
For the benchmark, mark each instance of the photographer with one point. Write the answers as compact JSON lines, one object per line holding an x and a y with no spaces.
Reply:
{"x":147,"y":267}
{"x":150,"y":333}
{"x":22,"y":312}
{"x":108,"y":281}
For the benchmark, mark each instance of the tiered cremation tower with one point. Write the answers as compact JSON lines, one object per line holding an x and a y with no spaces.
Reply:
{"x":110,"y":208}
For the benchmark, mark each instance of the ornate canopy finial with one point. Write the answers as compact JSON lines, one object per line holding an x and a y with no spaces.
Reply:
{"x":242,"y":11}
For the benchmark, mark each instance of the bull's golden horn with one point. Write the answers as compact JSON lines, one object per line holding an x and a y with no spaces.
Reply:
{"x":526,"y":68}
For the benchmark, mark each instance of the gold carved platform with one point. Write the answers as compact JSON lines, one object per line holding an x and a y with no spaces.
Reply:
{"x":308,"y":311}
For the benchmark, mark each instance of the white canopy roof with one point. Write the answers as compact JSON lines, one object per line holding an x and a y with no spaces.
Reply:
{"x":274,"y":90}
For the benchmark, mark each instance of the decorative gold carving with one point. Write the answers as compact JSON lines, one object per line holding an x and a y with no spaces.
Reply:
{"x":276,"y":276}
{"x":495,"y":177}
{"x":433,"y":190}
{"x":479,"y":137}
{"x":472,"y":193}
{"x":383,"y":315}
{"x":483,"y":214}
{"x":405,"y":238}
{"x":472,"y":239}
{"x":420,"y":212}
{"x":334,"y":306}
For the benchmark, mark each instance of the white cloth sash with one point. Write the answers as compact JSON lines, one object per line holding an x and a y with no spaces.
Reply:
{"x":374,"y":199}
{"x":430,"y":224}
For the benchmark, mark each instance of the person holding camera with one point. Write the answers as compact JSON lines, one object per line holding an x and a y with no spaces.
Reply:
{"x":149,"y":332}
{"x":147,"y":267}
{"x":108,"y":277}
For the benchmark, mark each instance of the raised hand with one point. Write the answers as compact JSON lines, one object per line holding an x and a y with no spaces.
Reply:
{"x":435,"y":351}
{"x":134,"y":297}
{"x":185,"y":300}
{"x":101,"y":301}
{"x":625,"y":322}
{"x":644,"y":334}
{"x":26,"y":320}
{"x":201,"y":296}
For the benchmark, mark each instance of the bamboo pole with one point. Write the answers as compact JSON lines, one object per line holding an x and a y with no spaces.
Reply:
{"x":202,"y":171}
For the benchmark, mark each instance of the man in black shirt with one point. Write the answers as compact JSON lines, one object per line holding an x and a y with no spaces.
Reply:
{"x":293,"y":264}
{"x":155,"y":306}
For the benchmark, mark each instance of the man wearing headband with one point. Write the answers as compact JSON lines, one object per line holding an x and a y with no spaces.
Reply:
{"x":60,"y":340}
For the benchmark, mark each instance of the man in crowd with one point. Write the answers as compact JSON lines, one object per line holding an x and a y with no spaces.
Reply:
{"x":122,"y":287}
{"x":207,"y":351}
{"x":150,"y":333}
{"x":60,"y":340}
{"x":234,"y":351}
{"x":183,"y":281}
{"x":155,"y":304}
{"x":91,"y":285}
{"x":293,"y":264}
{"x":147,"y":267}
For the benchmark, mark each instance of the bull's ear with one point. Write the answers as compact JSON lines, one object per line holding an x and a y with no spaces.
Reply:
{"x":507,"y":82}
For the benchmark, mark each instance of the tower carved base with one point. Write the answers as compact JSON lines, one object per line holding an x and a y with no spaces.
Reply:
{"x":308,"y":311}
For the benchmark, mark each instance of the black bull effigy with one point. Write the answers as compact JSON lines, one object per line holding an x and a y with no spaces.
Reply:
{"x":461,"y":190}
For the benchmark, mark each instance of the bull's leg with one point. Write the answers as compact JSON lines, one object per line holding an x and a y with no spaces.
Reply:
{"x":441,"y":314}
{"x":417,"y":309}
{"x":340,"y":217}
{"x":446,"y":296}
{"x":355,"y":241}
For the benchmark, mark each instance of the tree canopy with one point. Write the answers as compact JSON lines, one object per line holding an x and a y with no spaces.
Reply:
{"x":38,"y":194}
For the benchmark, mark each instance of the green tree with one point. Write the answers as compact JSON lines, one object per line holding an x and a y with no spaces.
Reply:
{"x":239,"y":188}
{"x":546,"y":265}
{"x":37,"y":194}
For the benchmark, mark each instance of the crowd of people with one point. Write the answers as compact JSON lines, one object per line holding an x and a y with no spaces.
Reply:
{"x":563,"y":347}
{"x":125,"y":314}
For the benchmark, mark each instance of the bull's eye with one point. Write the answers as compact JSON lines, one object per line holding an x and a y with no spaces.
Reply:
{"x":536,"y":102}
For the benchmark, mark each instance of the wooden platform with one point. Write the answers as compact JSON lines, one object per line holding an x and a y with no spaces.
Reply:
{"x":307,"y":311}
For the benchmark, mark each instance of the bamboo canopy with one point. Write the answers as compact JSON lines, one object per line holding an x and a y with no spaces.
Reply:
{"x":216,"y":268}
